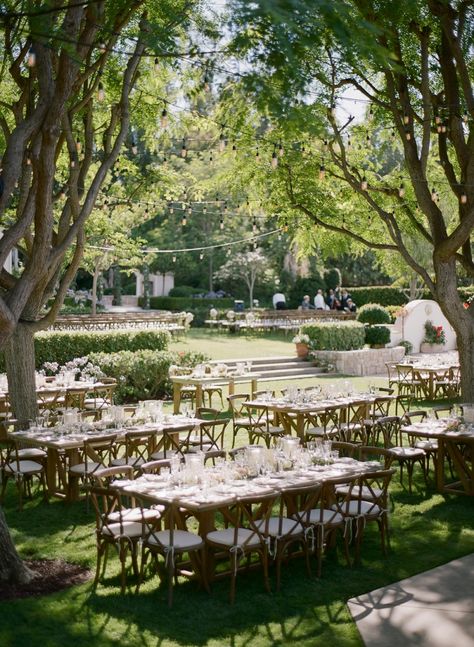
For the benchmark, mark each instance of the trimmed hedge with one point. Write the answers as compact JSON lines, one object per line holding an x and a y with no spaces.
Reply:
{"x":63,"y":346}
{"x":377,"y":335}
{"x":382,"y":294}
{"x":178,"y":304}
{"x":373,"y":313}
{"x":346,"y":335}
{"x":143,"y":374}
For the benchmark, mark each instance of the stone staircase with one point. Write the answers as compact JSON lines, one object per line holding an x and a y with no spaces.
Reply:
{"x":275,"y":368}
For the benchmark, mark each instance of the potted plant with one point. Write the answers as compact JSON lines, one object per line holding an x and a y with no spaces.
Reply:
{"x":434,"y":338}
{"x":302,"y":345}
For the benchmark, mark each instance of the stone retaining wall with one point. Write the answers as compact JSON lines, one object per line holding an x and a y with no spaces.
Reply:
{"x":368,"y":361}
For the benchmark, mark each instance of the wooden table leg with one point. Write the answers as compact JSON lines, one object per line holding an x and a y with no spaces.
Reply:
{"x":198,"y":396}
{"x":176,"y":397}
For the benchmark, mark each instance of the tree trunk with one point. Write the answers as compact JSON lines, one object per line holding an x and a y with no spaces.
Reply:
{"x":211,"y":273}
{"x":95,"y":279}
{"x":20,"y":366}
{"x":12,"y":569}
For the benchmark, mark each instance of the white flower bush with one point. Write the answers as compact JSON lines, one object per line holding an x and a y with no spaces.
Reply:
{"x":300,"y":339}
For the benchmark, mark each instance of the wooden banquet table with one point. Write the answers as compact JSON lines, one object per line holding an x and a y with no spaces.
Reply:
{"x":293,"y":416}
{"x":201,"y":382}
{"x":456,"y":445}
{"x":427,"y":376}
{"x":63,"y":447}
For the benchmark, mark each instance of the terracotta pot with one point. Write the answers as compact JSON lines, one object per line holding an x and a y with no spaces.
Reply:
{"x":431,"y":348}
{"x":302,"y":350}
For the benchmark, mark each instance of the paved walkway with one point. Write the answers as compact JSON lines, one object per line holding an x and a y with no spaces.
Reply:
{"x":433,"y":609}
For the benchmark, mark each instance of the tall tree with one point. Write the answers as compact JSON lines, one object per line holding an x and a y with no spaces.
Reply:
{"x":67,"y":76}
{"x":410,"y":62}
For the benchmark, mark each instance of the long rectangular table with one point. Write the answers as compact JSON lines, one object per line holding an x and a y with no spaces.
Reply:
{"x":63,"y":447}
{"x":202,"y":381}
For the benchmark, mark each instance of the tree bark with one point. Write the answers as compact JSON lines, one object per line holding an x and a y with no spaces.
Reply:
{"x":20,"y":366}
{"x":95,"y":278}
{"x":12,"y":569}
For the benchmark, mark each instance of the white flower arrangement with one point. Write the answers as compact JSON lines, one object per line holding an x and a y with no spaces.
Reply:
{"x":188,"y":318}
{"x":230,"y":315}
{"x":301,"y":339}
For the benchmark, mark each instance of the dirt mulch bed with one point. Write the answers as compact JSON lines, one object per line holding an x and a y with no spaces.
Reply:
{"x":51,"y":575}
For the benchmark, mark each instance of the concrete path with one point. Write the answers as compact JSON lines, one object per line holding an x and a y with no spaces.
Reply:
{"x":433,"y":609}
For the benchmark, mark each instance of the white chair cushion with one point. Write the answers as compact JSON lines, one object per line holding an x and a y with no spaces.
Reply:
{"x":182,"y":539}
{"x":80,"y":468}
{"x":135,"y":514}
{"x":355,"y":508}
{"x":279,"y":527}
{"x":322,"y":516}
{"x":426,"y":444}
{"x":135,"y":461}
{"x":358,"y":492}
{"x":245,"y":538}
{"x":407,"y":452}
{"x":24,"y":467}
{"x":31,"y":452}
{"x":126,"y":529}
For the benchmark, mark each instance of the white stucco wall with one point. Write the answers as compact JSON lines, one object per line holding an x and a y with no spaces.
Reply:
{"x":410,"y":326}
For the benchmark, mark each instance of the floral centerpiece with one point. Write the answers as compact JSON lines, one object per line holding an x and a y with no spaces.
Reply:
{"x":302,"y":345}
{"x":433,"y":339}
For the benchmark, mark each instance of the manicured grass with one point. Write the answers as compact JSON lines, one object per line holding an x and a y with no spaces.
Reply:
{"x":428,"y":529}
{"x":224,"y":345}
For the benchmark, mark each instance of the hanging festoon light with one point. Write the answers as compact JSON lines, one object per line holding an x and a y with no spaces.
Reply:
{"x":184,"y":150}
{"x":401,"y":190}
{"x":105,"y":205}
{"x":349,"y":143}
{"x":78,"y":146}
{"x":254,"y":226}
{"x":31,"y":57}
{"x":102,"y":48}
{"x":201,"y":256}
{"x":465,"y":117}
{"x":281,"y":150}
{"x":463,"y":198}
{"x":156,"y":64}
{"x":171,"y":208}
{"x":393,"y":135}
{"x":407,"y":134}
{"x":226,"y":208}
{"x":234,"y":150}
{"x":206,"y":82}
{"x":164,"y":118}
{"x":274,"y":161}
{"x":221,"y":223}
{"x":72,"y":162}
{"x":134,"y":148}
{"x":222,"y":142}
{"x":100,"y":92}
{"x":204,"y":209}
{"x":174,"y":259}
{"x":184,"y":220}
{"x":190,"y":210}
{"x":211,"y":158}
{"x":257,"y":155}
{"x":434,"y":195}
{"x":406,"y":118}
{"x":63,"y":193}
{"x":332,"y":110}
{"x":322,"y":172}
{"x":364,"y":184}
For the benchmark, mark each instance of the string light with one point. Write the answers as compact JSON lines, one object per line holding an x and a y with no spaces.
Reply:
{"x":157,"y":64}
{"x":184,"y":150}
{"x":234,"y":150}
{"x":164,"y":118}
{"x":134,"y":146}
{"x":407,"y":134}
{"x":465,"y":117}
{"x":406,"y":118}
{"x":31,"y":58}
{"x":221,"y":223}
{"x":100,"y":92}
{"x":174,"y":259}
{"x":78,"y":146}
{"x":102,"y":48}
{"x":207,"y":85}
{"x":201,"y":256}
{"x":363,"y":184}
{"x":257,"y":155}
{"x":274,"y":161}
{"x":463,"y":198}
{"x":281,"y":150}
{"x":222,"y":143}
{"x":434,"y":195}
{"x":322,"y":172}
{"x":183,"y":220}
{"x":401,"y":190}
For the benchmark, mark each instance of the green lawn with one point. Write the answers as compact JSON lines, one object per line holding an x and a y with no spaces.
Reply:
{"x":428,"y":529}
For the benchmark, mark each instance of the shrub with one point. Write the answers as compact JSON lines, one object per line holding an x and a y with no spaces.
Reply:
{"x":63,"y":346}
{"x":373,"y":313}
{"x":383,"y":294}
{"x":407,"y":345}
{"x":178,"y":304}
{"x":346,"y":335}
{"x":182,"y":291}
{"x":434,"y":334}
{"x":393,"y":312}
{"x":143,"y":374}
{"x":377,"y":335}
{"x":332,"y":278}
{"x":308,"y":285}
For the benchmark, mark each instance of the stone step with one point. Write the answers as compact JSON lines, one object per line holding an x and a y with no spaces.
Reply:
{"x":258,"y":361}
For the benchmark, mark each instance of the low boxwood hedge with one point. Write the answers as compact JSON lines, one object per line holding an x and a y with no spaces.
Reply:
{"x":63,"y":346}
{"x":385,"y":295}
{"x":143,"y":374}
{"x":344,"y":335}
{"x":377,"y":335}
{"x":373,"y":313}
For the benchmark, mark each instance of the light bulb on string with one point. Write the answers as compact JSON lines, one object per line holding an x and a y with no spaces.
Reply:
{"x":184,"y":220}
{"x":100,"y":92}
{"x":254,"y":226}
{"x":393,"y":134}
{"x":257,"y":155}
{"x":367,"y":138}
{"x":221,"y":223}
{"x":164,"y":118}
{"x":171,"y":209}
{"x":274,"y":161}
{"x":174,"y":259}
{"x":407,"y":134}
{"x":134,"y":148}
{"x":281,"y":150}
{"x":228,"y":251}
{"x":226,"y":209}
{"x":62,"y":195}
{"x":184,"y":150}
{"x":401,"y":190}
{"x":156,"y":64}
{"x":222,"y":143}
{"x":206,"y":84}
{"x":211,"y":158}
{"x":444,"y":127}
{"x":349,"y":143}
{"x":434,"y":195}
{"x":204,"y":209}
{"x":31,"y":57}
{"x":363,"y":184}
{"x":322,"y":172}
{"x":406,"y":118}
{"x":371,"y":112}
{"x":190,"y":210}
{"x":332,"y":110}
{"x":463,"y":198}
{"x":28,"y":160}
{"x":234,"y":150}
{"x":104,"y":205}
{"x":201,"y":256}
{"x":102,"y":48}
{"x":465,"y":117}
{"x":78,"y":145}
